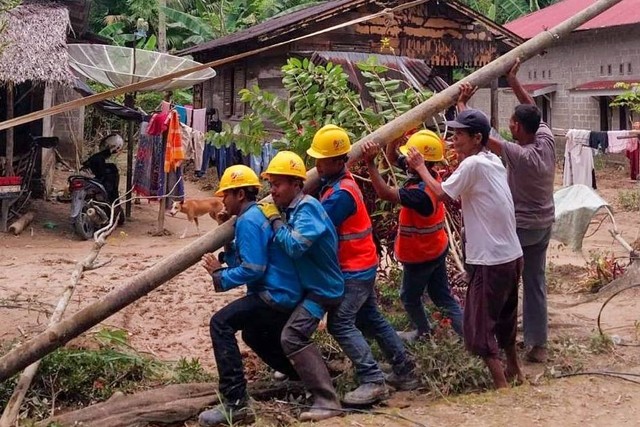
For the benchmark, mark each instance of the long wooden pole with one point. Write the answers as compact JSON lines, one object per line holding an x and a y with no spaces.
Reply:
{"x":172,"y":265}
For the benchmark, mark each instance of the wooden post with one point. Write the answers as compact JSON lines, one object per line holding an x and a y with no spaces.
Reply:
{"x":495,"y":111}
{"x":129,"y":101}
{"x":172,"y":265}
{"x":9,"y":134}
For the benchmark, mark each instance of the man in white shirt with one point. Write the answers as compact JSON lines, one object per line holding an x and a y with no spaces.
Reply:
{"x":492,"y":249}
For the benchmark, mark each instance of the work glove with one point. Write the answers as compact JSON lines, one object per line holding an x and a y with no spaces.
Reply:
{"x":270,"y":211}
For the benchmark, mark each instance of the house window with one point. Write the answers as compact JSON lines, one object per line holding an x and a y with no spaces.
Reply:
{"x":233,"y":80}
{"x":621,"y":68}
{"x":629,"y":68}
{"x":544,"y":74}
{"x":602,"y":70}
{"x":549,"y":74}
{"x":529,"y":74}
{"x":535,"y":74}
{"x":609,"y":70}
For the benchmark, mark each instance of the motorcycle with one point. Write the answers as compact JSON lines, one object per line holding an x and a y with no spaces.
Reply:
{"x":92,"y":197}
{"x":90,"y":205}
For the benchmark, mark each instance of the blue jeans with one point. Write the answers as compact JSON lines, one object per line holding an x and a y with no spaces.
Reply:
{"x":358,"y":316}
{"x":534,"y":286}
{"x":431,"y":275}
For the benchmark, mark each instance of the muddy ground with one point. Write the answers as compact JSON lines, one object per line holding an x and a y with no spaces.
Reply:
{"x":172,"y":321}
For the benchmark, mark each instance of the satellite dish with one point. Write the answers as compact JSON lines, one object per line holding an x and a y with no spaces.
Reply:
{"x":115,"y":66}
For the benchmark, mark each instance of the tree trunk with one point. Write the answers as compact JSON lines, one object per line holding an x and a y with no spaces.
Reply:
{"x":162,"y":27}
{"x":168,"y":405}
{"x":174,"y":264}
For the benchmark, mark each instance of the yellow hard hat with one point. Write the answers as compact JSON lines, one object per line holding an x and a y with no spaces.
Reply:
{"x":329,"y":141}
{"x":286,"y":163}
{"x":237,"y":176}
{"x":427,"y":143}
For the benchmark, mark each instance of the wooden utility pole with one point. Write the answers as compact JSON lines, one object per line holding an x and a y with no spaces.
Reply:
{"x":172,"y":265}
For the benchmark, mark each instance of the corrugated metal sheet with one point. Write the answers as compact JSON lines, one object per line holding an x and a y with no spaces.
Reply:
{"x":624,"y":13}
{"x":602,"y":84}
{"x":414,"y":71}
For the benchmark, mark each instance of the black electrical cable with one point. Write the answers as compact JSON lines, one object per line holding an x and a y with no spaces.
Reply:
{"x":610,"y":374}
{"x":607,"y":302}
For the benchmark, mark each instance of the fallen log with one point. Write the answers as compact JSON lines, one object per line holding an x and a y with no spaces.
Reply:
{"x":174,"y":264}
{"x":21,"y":223}
{"x":168,"y":405}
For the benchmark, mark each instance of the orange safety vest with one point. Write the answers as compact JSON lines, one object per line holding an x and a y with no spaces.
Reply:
{"x":421,"y":238}
{"x":356,"y":249}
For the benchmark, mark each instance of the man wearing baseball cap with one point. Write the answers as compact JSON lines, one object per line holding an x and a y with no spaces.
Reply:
{"x":531,"y":166}
{"x":492,"y":250}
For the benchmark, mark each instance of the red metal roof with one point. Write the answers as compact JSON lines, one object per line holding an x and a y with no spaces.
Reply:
{"x":624,"y":13}
{"x":532,"y":87}
{"x":602,"y":84}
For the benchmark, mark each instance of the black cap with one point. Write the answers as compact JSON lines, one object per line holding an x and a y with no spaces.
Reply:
{"x":471,"y":119}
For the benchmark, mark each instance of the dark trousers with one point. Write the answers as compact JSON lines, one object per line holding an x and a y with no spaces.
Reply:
{"x":491,"y":311}
{"x":534,"y":285}
{"x":358,"y":316}
{"x":261,"y":327}
{"x":299,"y":329}
{"x":432,"y":276}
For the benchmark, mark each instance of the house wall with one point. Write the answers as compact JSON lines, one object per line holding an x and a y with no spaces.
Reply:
{"x":68,"y":126}
{"x":582,"y":57}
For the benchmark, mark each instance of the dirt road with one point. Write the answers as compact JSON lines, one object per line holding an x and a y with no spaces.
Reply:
{"x":172,"y":322}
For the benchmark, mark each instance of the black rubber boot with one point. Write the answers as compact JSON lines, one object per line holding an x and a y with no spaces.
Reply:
{"x":313,"y":372}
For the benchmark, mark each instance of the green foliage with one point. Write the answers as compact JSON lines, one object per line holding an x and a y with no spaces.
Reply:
{"x":79,"y":377}
{"x":6,"y":5}
{"x":503,"y":11}
{"x":447,"y":368}
{"x":629,"y":200}
{"x":317,"y":95}
{"x":630,"y":98}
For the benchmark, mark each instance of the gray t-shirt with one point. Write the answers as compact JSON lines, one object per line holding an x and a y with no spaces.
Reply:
{"x":531,"y":171}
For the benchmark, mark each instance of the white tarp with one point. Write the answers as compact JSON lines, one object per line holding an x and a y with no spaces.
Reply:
{"x":575,"y":206}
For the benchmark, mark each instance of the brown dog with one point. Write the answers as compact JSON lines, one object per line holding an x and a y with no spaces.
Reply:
{"x":194,"y":208}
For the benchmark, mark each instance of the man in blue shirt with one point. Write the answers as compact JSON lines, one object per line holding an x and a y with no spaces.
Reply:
{"x":310,"y":239}
{"x":273,"y":291}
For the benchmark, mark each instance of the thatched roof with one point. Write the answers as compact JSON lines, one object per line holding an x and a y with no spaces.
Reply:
{"x":34,"y":44}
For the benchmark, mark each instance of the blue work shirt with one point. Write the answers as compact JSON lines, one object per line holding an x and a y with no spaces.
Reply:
{"x":340,"y":206}
{"x":254,"y":259}
{"x":311,"y":240}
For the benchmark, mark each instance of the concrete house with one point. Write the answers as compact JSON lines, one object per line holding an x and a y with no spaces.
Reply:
{"x":573,"y":82}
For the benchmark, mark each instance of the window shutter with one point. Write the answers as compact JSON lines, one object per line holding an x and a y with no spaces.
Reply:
{"x":227,"y":92}
{"x":239,"y":82}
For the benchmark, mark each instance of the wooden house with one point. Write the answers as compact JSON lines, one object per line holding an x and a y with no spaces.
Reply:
{"x":428,"y":39}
